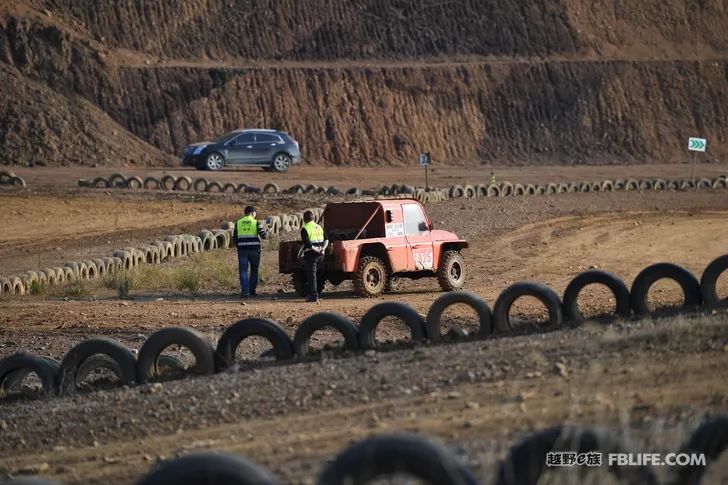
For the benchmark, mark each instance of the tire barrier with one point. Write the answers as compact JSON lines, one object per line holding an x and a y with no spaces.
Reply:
{"x":147,"y":365}
{"x":527,"y":461}
{"x":362,"y":338}
{"x":261,"y":327}
{"x":648,"y":276}
{"x":543,"y":293}
{"x":9,"y":178}
{"x":710,"y":439}
{"x":399,"y":454}
{"x":157,"y":252}
{"x":408,"y":456}
{"x":617,"y":287}
{"x":318,"y":321}
{"x":45,"y":369}
{"x":379,"y":312}
{"x":434,"y":316}
{"x":125,"y":364}
{"x":209,"y":468}
{"x":425,"y":196}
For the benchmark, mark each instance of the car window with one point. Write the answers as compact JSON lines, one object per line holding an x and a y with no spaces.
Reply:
{"x":266,"y":137}
{"x":244,"y":138}
{"x":225,"y":138}
{"x":413,"y":217}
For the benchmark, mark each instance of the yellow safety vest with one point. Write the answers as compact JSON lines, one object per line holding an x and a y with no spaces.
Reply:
{"x":247,"y":229}
{"x":315,"y":233}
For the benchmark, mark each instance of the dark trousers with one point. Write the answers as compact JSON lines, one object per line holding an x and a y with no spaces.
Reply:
{"x":311,"y":261}
{"x":248,"y":257}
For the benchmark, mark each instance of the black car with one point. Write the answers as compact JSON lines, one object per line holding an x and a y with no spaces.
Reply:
{"x":273,"y":150}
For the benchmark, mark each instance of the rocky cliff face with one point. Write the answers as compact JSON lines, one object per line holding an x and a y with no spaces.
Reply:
{"x":364,"y":83}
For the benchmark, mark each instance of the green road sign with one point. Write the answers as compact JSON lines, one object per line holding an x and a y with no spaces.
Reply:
{"x":697,"y":144}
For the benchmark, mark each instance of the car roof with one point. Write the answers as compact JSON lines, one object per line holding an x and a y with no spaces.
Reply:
{"x":255,"y":130}
{"x":385,"y":202}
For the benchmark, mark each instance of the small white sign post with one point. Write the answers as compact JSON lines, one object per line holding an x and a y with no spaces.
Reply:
{"x":696,"y":145}
{"x":425,"y":161}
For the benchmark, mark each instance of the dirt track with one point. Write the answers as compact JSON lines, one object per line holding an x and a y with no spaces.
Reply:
{"x":479,"y":397}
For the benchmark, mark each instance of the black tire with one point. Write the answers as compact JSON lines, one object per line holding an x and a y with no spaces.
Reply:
{"x":617,"y":286}
{"x":711,"y":439}
{"x":168,"y":182}
{"x":135,"y":182}
{"x":457,"y":192}
{"x":281,"y":162}
{"x":451,"y":271}
{"x":505,"y":300}
{"x":475,"y":302}
{"x":390,"y":455}
{"x":100,"y":183}
{"x":200,"y":185}
{"x":271,"y":188}
{"x":160,"y":340}
{"x":126,"y":363}
{"x":242,"y":329}
{"x":315,"y":322}
{"x":45,"y":369}
{"x":648,"y":276}
{"x":710,"y":279}
{"x":377,"y":313}
{"x":117,"y":180}
{"x":99,"y":361}
{"x":370,"y":277}
{"x":527,"y":460}
{"x":214,"y":161}
{"x":209,"y":468}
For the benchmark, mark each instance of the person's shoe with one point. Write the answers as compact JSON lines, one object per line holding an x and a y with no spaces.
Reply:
{"x":253,"y":294}
{"x":312,"y":299}
{"x":244,"y":296}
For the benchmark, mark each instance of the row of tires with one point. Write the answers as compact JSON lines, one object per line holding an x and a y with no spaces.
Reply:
{"x":9,"y":178}
{"x":413,"y":456}
{"x":201,"y":184}
{"x":156,"y":252}
{"x":508,"y":189}
{"x":504,"y":189}
{"x":63,"y":377}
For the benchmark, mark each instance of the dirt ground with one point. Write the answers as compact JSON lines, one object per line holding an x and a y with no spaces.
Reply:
{"x":653,"y":380}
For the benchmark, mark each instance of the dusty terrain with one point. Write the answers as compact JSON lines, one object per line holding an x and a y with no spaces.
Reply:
{"x":654,"y":380}
{"x":364,"y":83}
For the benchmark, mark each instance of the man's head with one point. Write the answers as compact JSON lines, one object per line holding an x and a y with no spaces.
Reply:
{"x":250,"y":211}
{"x":307,"y":216}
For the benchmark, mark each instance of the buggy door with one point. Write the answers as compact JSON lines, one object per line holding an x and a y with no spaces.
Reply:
{"x":419,"y":239}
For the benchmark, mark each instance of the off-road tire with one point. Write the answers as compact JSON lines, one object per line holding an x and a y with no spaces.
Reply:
{"x":367,"y":265}
{"x":448,"y":280}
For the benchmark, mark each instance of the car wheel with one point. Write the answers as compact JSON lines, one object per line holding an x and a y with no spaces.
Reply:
{"x":370,"y":277}
{"x":451,"y":273}
{"x":214,"y":161}
{"x":281,"y":162}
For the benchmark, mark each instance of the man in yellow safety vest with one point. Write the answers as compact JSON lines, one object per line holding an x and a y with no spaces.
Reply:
{"x":247,"y":235}
{"x":491,"y":182}
{"x":313,"y":239}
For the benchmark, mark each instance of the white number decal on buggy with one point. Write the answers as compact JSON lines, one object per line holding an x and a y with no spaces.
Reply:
{"x":424,"y":258}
